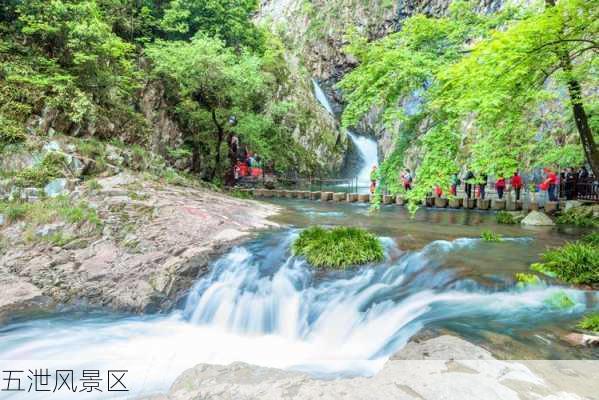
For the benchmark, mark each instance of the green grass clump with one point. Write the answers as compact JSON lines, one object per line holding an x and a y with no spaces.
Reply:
{"x":504,"y":217}
{"x":240,"y":194}
{"x":524,"y":279}
{"x":339,"y":247}
{"x":49,"y":210}
{"x":489,"y":236}
{"x":591,"y":239}
{"x":590,"y":323}
{"x":579,"y":216}
{"x":52,"y":166}
{"x":576,"y":263}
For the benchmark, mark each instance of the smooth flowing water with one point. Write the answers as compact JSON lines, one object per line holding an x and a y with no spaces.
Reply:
{"x":369,"y":155}
{"x":261,"y":305}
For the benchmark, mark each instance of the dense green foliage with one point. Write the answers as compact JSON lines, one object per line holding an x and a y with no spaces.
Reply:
{"x":576,"y":262}
{"x":504,"y":217}
{"x":579,"y":216}
{"x":83,"y":65}
{"x":474,"y":90}
{"x":590,"y":323}
{"x":338,"y":247}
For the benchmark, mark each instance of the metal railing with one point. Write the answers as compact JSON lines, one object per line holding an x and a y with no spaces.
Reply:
{"x":347,"y":185}
{"x":587,"y":190}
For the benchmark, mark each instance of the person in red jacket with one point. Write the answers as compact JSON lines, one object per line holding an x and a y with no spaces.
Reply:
{"x":500,"y":186}
{"x":551,"y":183}
{"x":517,"y":184}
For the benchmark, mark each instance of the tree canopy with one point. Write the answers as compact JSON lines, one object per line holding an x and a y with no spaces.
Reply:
{"x":492,"y":92}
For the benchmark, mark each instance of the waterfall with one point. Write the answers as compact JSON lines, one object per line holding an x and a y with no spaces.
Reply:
{"x":322,"y":97}
{"x":369,"y":155}
{"x":367,"y":147}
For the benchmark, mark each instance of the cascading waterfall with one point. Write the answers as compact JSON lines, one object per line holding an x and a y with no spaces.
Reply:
{"x":263,"y":306}
{"x":369,"y":154}
{"x":367,"y":147}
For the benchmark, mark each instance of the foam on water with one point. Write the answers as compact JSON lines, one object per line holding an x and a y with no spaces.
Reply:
{"x":262,"y":306}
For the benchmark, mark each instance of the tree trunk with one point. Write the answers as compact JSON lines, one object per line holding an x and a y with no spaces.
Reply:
{"x":580,"y":116}
{"x":220,"y":136}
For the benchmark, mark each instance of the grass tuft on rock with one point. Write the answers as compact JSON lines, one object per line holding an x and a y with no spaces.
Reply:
{"x":504,"y":217}
{"x":579,"y":216}
{"x":524,"y":279}
{"x":489,"y":236}
{"x":338,"y":248}
{"x":590,"y":323}
{"x":576,"y":263}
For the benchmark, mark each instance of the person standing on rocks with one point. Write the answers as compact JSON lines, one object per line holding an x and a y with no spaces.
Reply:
{"x":482,"y":186}
{"x":517,"y":184}
{"x":500,"y":186}
{"x":468,"y":184}
{"x":455,"y":181}
{"x":374,"y":176}
{"x":407,"y":180}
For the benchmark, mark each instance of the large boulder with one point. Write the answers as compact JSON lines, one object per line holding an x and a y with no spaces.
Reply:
{"x":536,"y":218}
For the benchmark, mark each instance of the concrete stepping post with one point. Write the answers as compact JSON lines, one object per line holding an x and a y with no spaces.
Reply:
{"x":470,"y":203}
{"x":315,"y":195}
{"x":551,"y":207}
{"x":441,"y":202}
{"x":499,"y":204}
{"x":456,"y":202}
{"x":430,"y":202}
{"x":326,"y":196}
{"x":388,"y":199}
{"x":352,"y":197}
{"x":364,"y":198}
{"x":339,"y":197}
{"x":400,"y":201}
{"x":483,"y":204}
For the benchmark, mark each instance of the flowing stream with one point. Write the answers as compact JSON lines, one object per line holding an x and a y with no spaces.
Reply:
{"x":261,"y":305}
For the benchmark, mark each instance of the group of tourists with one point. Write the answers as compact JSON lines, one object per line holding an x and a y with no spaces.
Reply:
{"x":247,"y":163}
{"x":569,"y":181}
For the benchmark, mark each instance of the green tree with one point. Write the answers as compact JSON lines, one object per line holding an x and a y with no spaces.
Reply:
{"x":213,"y":83}
{"x":229,"y":20}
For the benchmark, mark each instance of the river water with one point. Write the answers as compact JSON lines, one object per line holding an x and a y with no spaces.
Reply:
{"x":261,"y":305}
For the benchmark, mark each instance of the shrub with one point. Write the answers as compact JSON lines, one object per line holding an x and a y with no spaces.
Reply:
{"x":10,"y":132}
{"x":579,"y":216}
{"x":590,"y":323}
{"x":339,"y":247}
{"x":592,"y":239}
{"x":52,"y":166}
{"x":240,"y":194}
{"x":504,"y":217}
{"x":489,"y":236}
{"x":576,"y":263}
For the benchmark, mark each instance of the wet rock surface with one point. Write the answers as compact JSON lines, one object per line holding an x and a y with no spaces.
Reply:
{"x":445,"y":367}
{"x":156,"y":240}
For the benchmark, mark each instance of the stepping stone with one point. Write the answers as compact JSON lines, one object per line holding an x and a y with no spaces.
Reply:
{"x":441,"y":202}
{"x":456,"y":202}
{"x":498,"y":204}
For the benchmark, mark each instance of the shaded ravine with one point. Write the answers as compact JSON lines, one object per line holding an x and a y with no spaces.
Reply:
{"x":263,"y":306}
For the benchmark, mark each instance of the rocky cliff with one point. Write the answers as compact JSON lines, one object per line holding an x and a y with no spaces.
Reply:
{"x":315,"y":30}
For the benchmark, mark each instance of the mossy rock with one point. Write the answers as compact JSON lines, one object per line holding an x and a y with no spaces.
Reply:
{"x":560,"y":300}
{"x":524,"y":280}
{"x":338,"y":248}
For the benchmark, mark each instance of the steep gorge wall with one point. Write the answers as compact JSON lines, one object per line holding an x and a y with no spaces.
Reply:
{"x":314,"y":31}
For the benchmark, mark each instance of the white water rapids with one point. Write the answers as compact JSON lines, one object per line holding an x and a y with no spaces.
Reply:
{"x":262,"y":306}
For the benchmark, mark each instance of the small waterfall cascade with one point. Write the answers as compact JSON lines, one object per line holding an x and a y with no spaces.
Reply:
{"x":369,"y":154}
{"x":367,"y":147}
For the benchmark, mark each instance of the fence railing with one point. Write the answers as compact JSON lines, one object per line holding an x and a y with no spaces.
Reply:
{"x":586,"y":190}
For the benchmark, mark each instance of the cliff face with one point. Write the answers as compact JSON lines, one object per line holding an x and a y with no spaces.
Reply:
{"x":314,"y":31}
{"x":316,"y":28}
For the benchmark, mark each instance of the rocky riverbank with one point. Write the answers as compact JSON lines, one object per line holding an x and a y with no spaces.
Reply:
{"x":150,"y":241}
{"x":444,"y":367}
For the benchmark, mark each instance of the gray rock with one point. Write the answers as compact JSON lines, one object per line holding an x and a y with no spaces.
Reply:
{"x":51,"y":146}
{"x":29,"y":193}
{"x":450,"y":379}
{"x":570,"y":204}
{"x":536,"y":218}
{"x":2,"y":219}
{"x":49,"y":229}
{"x":56,"y":187}
{"x":444,"y":347}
